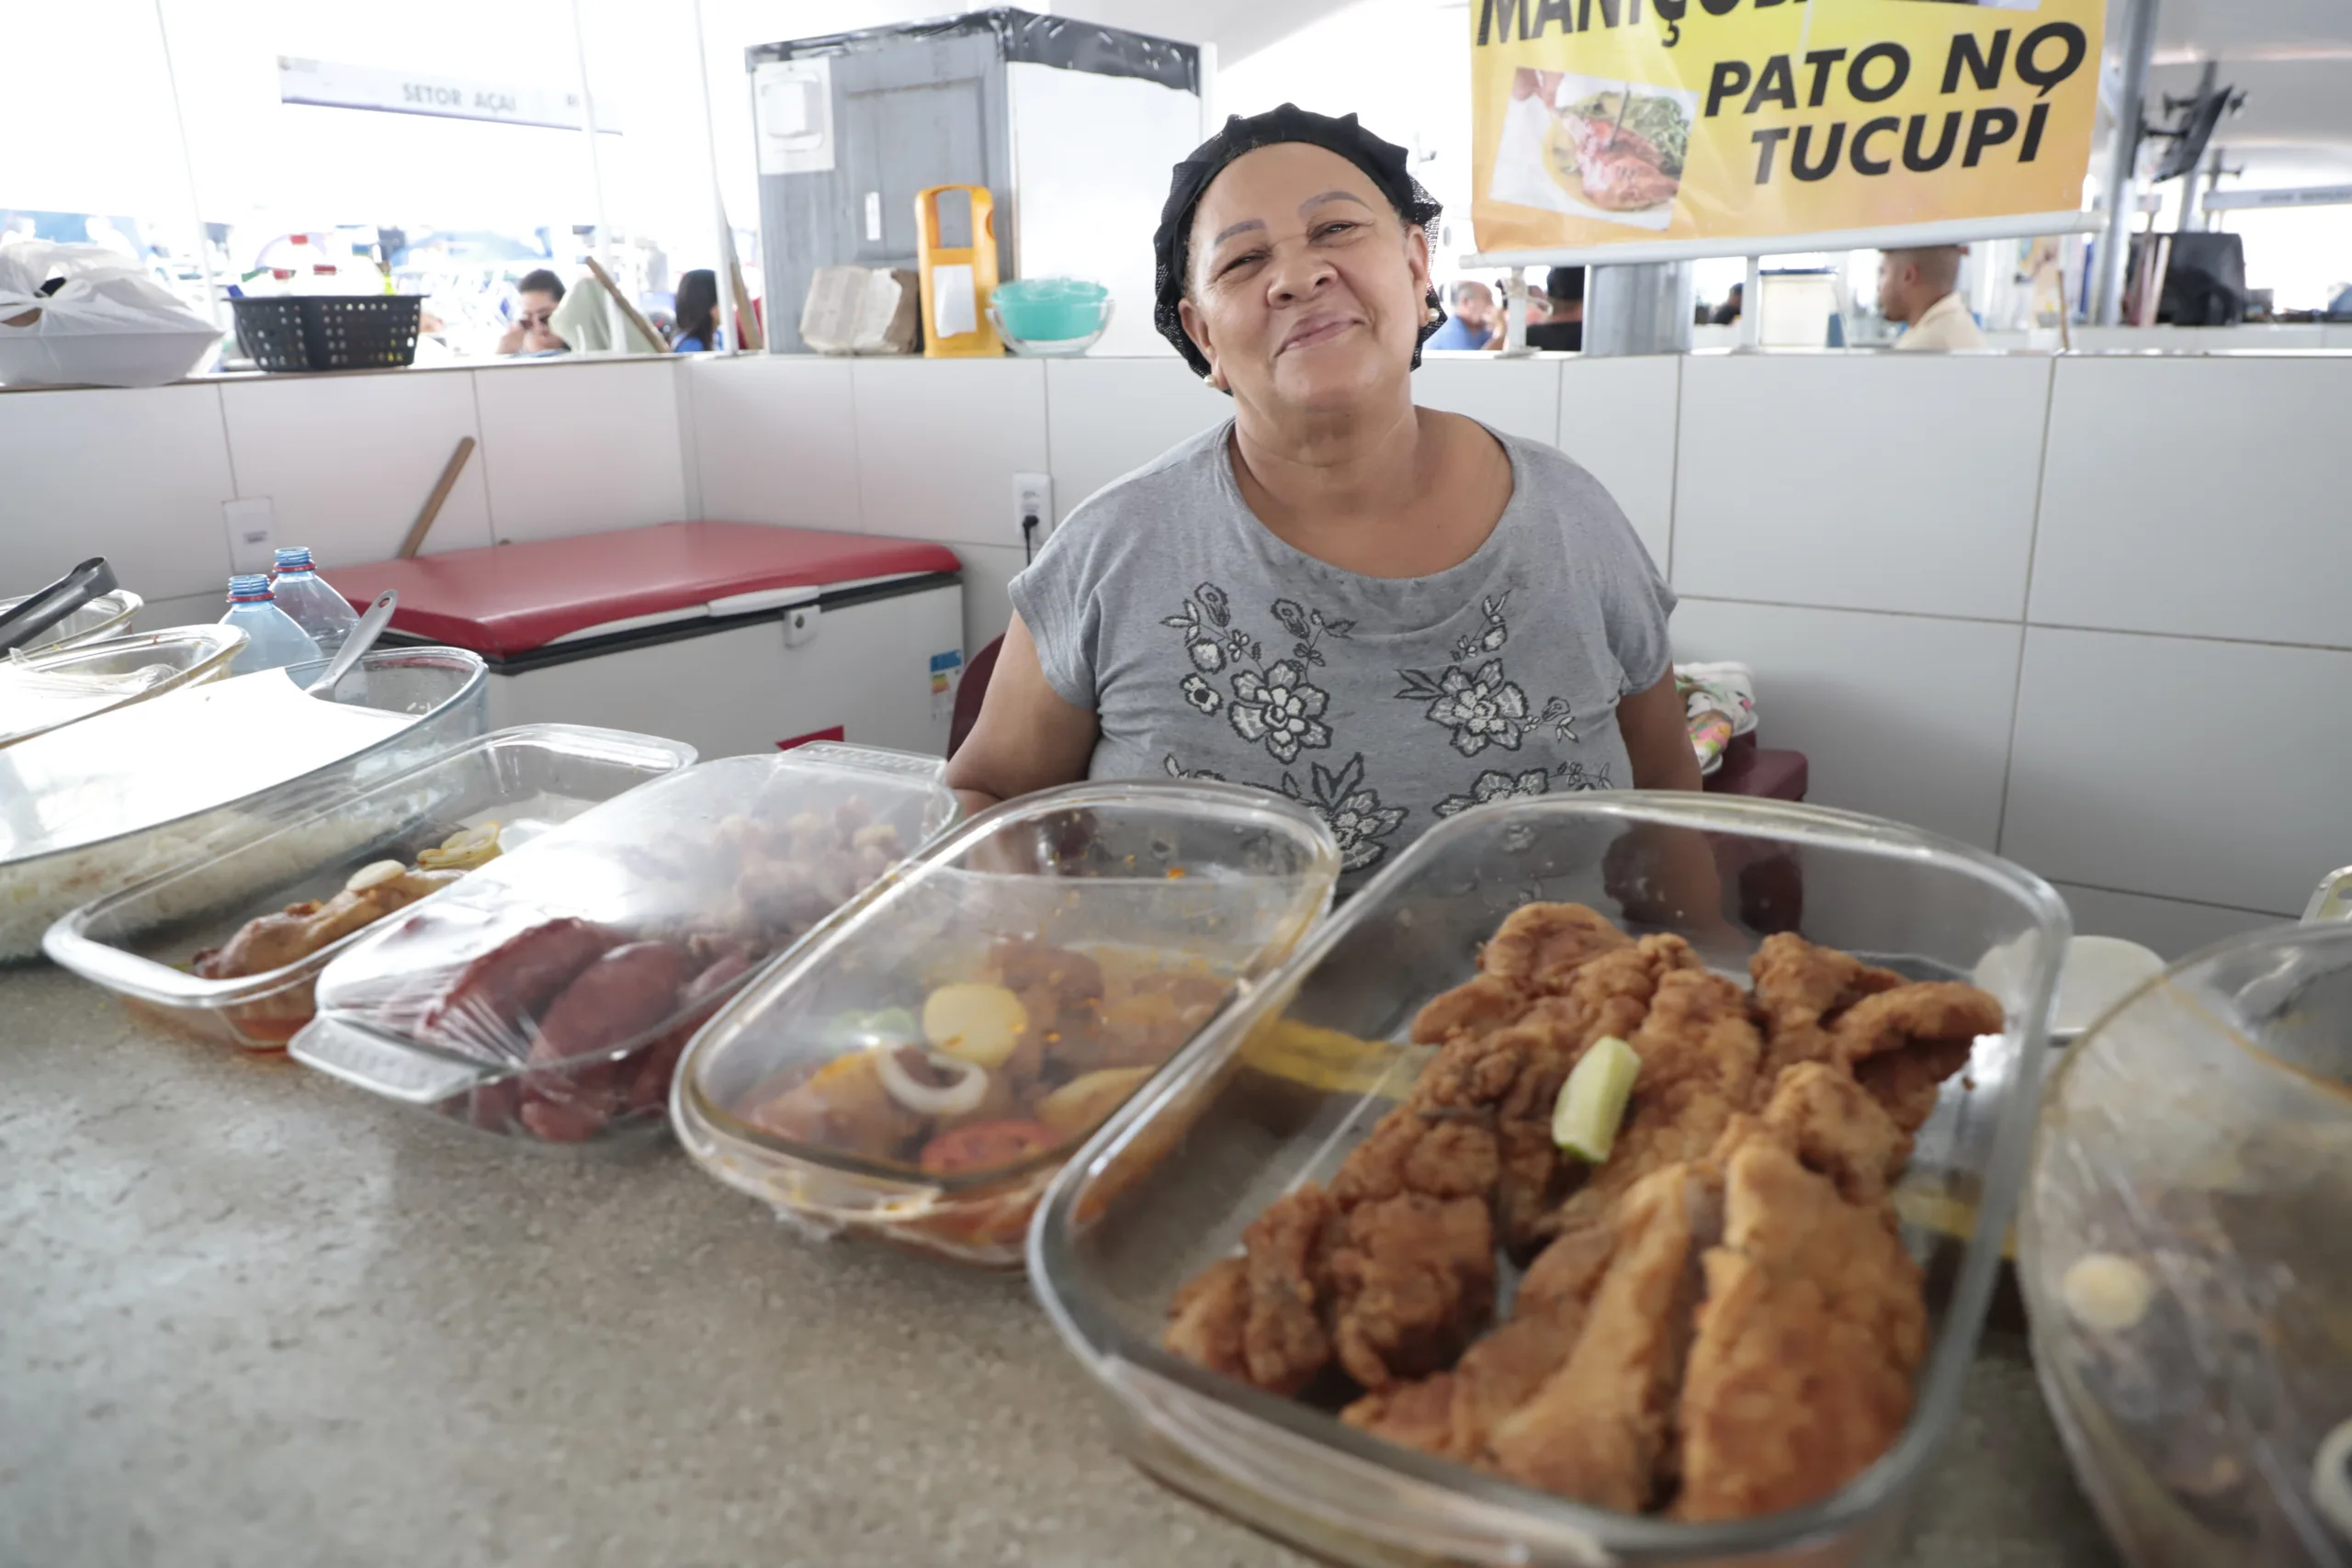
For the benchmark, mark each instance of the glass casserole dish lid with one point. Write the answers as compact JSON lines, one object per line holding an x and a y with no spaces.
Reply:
{"x":548,"y":995}
{"x":227,"y":942}
{"x":919,"y":1071}
{"x":2183,"y":1261}
{"x":98,"y":804}
{"x":1367,"y":1269}
{"x":41,"y":692}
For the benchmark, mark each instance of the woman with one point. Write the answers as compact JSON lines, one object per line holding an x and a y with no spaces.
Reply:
{"x":1388,"y":614}
{"x":698,"y":301}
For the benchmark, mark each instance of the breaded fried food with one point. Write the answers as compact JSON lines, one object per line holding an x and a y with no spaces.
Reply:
{"x":1412,"y":1280}
{"x":1541,"y":946}
{"x":1838,"y":1129}
{"x":1599,"y":1427}
{"x":1699,"y":1054}
{"x":1259,"y":1317}
{"x":1801,"y":987}
{"x":1812,"y":1324}
{"x":1902,"y":1045}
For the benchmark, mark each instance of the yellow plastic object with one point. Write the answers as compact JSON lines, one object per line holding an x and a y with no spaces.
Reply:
{"x":957,"y":283}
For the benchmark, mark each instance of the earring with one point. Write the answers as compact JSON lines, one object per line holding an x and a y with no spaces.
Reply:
{"x":1435,"y":314}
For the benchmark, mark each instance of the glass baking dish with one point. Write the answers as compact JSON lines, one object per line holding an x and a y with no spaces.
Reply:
{"x":108,"y":615}
{"x":143,"y":941}
{"x":2183,"y":1262}
{"x":189,"y":655}
{"x":548,"y":995}
{"x":1285,"y":1084}
{"x":99,"y":804}
{"x":1043,"y":961}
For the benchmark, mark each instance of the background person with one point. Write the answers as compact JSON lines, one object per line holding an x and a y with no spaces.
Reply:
{"x":536,"y":299}
{"x":1476,"y":323}
{"x":1921,"y":287}
{"x":698,"y":312}
{"x":1562,"y":328}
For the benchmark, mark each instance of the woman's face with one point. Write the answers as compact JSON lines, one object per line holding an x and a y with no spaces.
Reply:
{"x":1306,"y":290}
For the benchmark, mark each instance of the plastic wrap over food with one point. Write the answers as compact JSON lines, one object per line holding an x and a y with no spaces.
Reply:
{"x":2185,"y":1258}
{"x":549,"y":994}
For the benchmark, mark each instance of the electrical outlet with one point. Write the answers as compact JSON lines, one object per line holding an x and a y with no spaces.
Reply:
{"x":1032,"y":496}
{"x":251,"y":531}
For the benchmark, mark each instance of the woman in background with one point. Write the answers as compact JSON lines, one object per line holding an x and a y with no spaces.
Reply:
{"x":698,"y":331}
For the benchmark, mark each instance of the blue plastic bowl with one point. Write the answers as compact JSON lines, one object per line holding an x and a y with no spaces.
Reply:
{"x":1050,"y":309}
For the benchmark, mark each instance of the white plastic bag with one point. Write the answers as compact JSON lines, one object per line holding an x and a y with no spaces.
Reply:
{"x":107,"y":324}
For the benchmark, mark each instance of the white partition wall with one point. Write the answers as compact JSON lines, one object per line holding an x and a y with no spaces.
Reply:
{"x":2086,"y":611}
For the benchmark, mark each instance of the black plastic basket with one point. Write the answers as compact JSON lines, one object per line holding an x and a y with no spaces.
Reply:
{"x":330,"y":332}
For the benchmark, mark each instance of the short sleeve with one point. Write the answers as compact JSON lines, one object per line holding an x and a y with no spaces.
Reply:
{"x":1634,"y":598}
{"x":1055,"y":598}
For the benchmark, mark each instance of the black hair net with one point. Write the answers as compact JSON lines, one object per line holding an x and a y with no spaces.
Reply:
{"x":1384,"y":162}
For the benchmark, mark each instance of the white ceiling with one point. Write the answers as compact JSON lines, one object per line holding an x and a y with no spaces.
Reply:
{"x":1238,"y":28}
{"x":2293,"y":58}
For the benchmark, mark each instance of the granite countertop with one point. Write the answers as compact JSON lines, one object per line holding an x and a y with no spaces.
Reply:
{"x":251,"y":1317}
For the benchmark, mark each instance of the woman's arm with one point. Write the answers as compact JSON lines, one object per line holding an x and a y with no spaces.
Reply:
{"x":1658,"y":737}
{"x":1027,"y":739}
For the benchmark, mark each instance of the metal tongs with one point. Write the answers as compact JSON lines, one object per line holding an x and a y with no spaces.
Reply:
{"x":21,"y":623}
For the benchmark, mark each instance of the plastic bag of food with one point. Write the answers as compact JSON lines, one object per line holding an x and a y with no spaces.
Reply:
{"x":2183,"y":1259}
{"x":75,"y":315}
{"x":549,"y":994}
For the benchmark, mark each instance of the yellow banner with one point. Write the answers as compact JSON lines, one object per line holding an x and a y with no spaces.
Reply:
{"x":1700,"y":126}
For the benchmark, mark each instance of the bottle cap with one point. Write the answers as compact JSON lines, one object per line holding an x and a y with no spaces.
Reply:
{"x":246,"y":587}
{"x":295,"y":559}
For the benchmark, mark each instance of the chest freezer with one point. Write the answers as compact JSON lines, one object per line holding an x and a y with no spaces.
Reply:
{"x":734,"y":637}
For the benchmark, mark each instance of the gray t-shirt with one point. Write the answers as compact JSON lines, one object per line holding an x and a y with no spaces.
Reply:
{"x":1207,"y":648}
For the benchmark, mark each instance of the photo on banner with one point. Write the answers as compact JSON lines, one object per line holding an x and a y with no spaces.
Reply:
{"x":1718,"y":128}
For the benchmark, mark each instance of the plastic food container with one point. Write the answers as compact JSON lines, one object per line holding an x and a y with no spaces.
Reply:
{"x":141,"y":942}
{"x":191,"y":655}
{"x":97,"y":806}
{"x":548,"y":995}
{"x":2182,"y":1257}
{"x":1050,"y":316}
{"x":1286,"y":1083}
{"x":108,"y":615}
{"x":1063,"y":946}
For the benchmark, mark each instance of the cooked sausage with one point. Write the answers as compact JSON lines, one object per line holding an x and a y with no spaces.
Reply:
{"x":650,"y":1085}
{"x":618,"y":996}
{"x":494,"y":998}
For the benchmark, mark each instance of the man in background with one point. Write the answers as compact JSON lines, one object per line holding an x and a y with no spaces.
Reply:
{"x":1474,"y":324}
{"x":1562,"y":328}
{"x":1921,"y":287}
{"x":1727,"y":314}
{"x":533,"y":332}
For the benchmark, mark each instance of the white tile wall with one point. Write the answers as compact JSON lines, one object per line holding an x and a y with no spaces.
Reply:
{"x":1106,"y":418}
{"x":1618,"y":417}
{"x":987,"y":609}
{"x":136,"y":476}
{"x":775,"y":439}
{"x":1903,"y":717}
{"x":2170,"y":926}
{"x":2207,"y":771}
{"x":1902,"y":482}
{"x":347,"y":462}
{"x":579,"y":448}
{"x":1520,"y":397}
{"x":939,"y":441}
{"x":2203,"y":496}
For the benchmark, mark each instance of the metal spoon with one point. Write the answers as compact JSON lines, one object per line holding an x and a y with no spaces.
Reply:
{"x":363,"y":638}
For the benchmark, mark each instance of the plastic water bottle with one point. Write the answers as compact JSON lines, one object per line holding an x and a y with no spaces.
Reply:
{"x":272,"y":639}
{"x":318,"y":609}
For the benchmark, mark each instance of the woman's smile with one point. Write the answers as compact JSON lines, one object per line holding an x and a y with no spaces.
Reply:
{"x":1318,"y":329}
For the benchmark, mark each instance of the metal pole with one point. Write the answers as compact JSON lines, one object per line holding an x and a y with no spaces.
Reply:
{"x":2122,"y":187}
{"x":2189,"y":195}
{"x":615,"y":322}
{"x":212,"y":305}
{"x":1751,"y":293}
{"x":2214,"y":172}
{"x":718,"y":272}
{"x":1642,"y":309}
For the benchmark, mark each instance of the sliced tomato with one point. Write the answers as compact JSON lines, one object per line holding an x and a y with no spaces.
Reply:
{"x":985,"y":1145}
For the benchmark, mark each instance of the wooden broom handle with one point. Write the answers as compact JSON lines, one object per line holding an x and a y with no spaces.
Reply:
{"x":423,"y":523}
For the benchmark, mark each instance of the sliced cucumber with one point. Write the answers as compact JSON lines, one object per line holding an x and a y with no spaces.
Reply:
{"x":1591,"y":1103}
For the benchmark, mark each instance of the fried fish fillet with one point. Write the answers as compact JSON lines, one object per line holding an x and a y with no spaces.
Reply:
{"x":1812,"y":1322}
{"x":1902,"y":1045}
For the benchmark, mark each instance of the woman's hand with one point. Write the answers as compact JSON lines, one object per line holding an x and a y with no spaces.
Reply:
{"x":1027,"y":738}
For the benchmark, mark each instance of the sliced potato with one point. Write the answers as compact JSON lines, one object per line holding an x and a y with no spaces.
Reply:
{"x":374,"y":874}
{"x":978,"y":1023}
{"x":1081,"y":1104}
